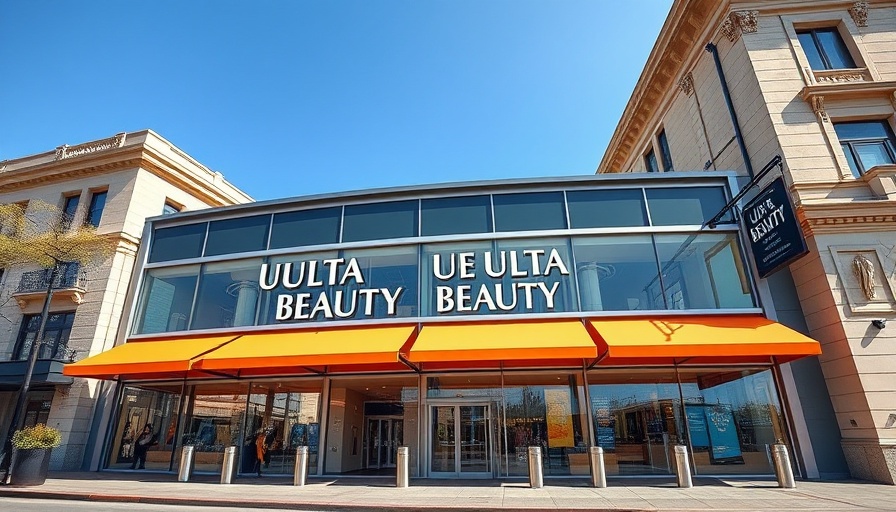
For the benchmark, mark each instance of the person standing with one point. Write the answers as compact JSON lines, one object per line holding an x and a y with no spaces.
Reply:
{"x":141,"y":445}
{"x":260,"y":450}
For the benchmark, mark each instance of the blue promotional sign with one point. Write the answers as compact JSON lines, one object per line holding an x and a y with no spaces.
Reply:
{"x":776,"y":238}
{"x":722,"y":434}
{"x":697,"y":426}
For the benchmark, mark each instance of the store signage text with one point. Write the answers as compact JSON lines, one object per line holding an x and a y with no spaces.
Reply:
{"x":776,"y":238}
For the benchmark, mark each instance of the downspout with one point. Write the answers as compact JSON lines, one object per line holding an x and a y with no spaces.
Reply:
{"x":711,"y":48}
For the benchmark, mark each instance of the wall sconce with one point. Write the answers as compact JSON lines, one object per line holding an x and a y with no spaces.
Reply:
{"x":880,"y":323}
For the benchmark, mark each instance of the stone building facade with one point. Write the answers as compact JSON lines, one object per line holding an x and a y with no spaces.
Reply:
{"x":115,"y":184}
{"x":732,"y":84}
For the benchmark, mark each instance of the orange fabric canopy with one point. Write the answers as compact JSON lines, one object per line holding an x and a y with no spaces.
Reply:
{"x":143,"y":358}
{"x":545,"y":341}
{"x":275,"y":351}
{"x":716,"y":338}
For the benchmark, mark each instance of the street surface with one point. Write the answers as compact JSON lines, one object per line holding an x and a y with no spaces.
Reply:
{"x":37,"y":505}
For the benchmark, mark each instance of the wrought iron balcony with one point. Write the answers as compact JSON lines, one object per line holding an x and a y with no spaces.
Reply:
{"x":70,"y":282}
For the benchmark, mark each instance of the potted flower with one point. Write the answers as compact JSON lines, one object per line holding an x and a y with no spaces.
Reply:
{"x":32,"y":457}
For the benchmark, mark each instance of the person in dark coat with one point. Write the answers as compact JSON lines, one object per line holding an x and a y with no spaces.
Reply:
{"x":141,"y":445}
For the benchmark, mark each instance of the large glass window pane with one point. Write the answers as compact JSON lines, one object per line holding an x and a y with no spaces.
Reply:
{"x":703,"y":271}
{"x":811,"y":50}
{"x":297,"y":288}
{"x":306,"y":227}
{"x":545,"y":410}
{"x":456,"y":215}
{"x":380,"y":221}
{"x":529,"y":211}
{"x":606,"y":208}
{"x":443,"y":279}
{"x":95,"y":211}
{"x":244,"y":234}
{"x":637,"y":419}
{"x":835,"y":49}
{"x":617,"y":273}
{"x":177,"y":242}
{"x":214,"y":422}
{"x":167,"y":299}
{"x":228,"y":294}
{"x":538,"y":271}
{"x":734,"y":418}
{"x":155,"y":408}
{"x":873,"y":153}
{"x":685,"y":205}
{"x":369,"y":418}
{"x":282,"y":416}
{"x":389,"y":289}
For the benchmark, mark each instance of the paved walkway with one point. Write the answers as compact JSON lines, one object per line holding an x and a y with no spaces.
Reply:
{"x":465,"y":495}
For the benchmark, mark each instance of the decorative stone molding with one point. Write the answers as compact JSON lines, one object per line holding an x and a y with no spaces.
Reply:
{"x":859,"y":13}
{"x":838,"y":76}
{"x":863,"y":269}
{"x":65,"y":151}
{"x":738,"y":22}
{"x":686,"y":84}
{"x":817,"y":103}
{"x":863,"y":272}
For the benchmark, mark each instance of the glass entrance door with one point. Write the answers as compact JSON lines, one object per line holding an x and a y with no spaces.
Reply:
{"x":460,"y":441}
{"x":384,"y":436}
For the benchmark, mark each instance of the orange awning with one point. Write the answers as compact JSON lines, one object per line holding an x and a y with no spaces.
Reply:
{"x":291,"y":351}
{"x":699,"y":339}
{"x":146,"y":359}
{"x":477,"y":344}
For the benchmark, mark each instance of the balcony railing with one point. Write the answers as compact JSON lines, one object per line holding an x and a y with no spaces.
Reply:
{"x":69,"y":276}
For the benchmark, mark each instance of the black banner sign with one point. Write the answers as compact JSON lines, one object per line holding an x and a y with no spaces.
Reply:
{"x":775,"y":235}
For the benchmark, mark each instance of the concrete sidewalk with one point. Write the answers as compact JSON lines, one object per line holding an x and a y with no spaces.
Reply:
{"x":466,"y":495}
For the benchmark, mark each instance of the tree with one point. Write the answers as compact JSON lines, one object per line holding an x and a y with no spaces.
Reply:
{"x":40,"y":234}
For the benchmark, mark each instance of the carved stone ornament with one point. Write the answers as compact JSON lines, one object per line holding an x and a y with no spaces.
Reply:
{"x":818,"y":108}
{"x":66,"y":151}
{"x":863,"y":269}
{"x":686,"y":84}
{"x":738,"y":22}
{"x":839,"y":77}
{"x":859,"y":13}
{"x":730,"y":29}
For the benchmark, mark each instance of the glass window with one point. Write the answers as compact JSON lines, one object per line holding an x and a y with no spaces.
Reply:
{"x":170,"y":208}
{"x":446,"y":267}
{"x":214,"y":422}
{"x":56,"y":334}
{"x":617,"y":273}
{"x":369,"y":418}
{"x":529,"y":211}
{"x":825,"y":48}
{"x":69,"y":209}
{"x":664,"y":151}
{"x":606,"y":208}
{"x":456,"y":215}
{"x":389,"y":289}
{"x":734,"y":417}
{"x":866,"y":144}
{"x":95,"y":211}
{"x":155,"y":408}
{"x":545,"y":410}
{"x":379,"y":221}
{"x":538,"y":272}
{"x":244,"y":234}
{"x":650,"y":162}
{"x":166,"y":299}
{"x":637,"y":419}
{"x":686,"y":205}
{"x":177,"y":242}
{"x":703,"y":272}
{"x":306,"y":227}
{"x":297,"y":287}
{"x":228,"y":294}
{"x":282,"y":416}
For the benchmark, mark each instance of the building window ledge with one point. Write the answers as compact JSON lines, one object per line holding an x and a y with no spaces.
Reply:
{"x":836,"y":90}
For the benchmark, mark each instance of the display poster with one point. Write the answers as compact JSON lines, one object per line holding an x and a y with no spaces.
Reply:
{"x":722,"y":433}
{"x":697,"y":426}
{"x":313,"y":436}
{"x":559,"y":418}
{"x":604,"y":423}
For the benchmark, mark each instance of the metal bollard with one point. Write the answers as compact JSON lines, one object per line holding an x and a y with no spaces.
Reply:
{"x":783,"y":470}
{"x":401,"y":469}
{"x":598,"y":470}
{"x":186,"y":463}
{"x":683,"y":466}
{"x":229,"y":465}
{"x":301,"y":471}
{"x":536,"y":472}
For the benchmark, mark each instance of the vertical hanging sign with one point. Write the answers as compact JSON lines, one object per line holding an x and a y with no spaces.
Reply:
{"x":776,"y":238}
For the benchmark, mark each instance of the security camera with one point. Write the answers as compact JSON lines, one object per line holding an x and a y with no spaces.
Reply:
{"x":880,"y":324}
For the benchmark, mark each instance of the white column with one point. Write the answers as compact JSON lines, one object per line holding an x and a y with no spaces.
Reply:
{"x":589,"y":287}
{"x":246,"y":298}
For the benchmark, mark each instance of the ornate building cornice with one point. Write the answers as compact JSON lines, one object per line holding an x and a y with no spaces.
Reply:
{"x":740,"y":22}
{"x":66,"y":151}
{"x":850,"y":217}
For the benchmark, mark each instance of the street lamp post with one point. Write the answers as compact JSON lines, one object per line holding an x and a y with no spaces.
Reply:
{"x":34,"y":351}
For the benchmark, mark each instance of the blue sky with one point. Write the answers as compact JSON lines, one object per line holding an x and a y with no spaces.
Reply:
{"x":289,"y":98}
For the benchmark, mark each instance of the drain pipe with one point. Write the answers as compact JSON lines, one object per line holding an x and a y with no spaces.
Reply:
{"x":711,"y":48}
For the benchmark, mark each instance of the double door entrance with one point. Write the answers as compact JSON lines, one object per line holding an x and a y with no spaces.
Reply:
{"x":384,"y":436}
{"x":460,"y":441}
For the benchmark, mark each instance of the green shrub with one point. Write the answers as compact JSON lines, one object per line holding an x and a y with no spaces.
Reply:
{"x":38,"y":436}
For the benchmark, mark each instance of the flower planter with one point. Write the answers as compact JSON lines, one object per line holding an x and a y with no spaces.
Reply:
{"x":30,"y":467}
